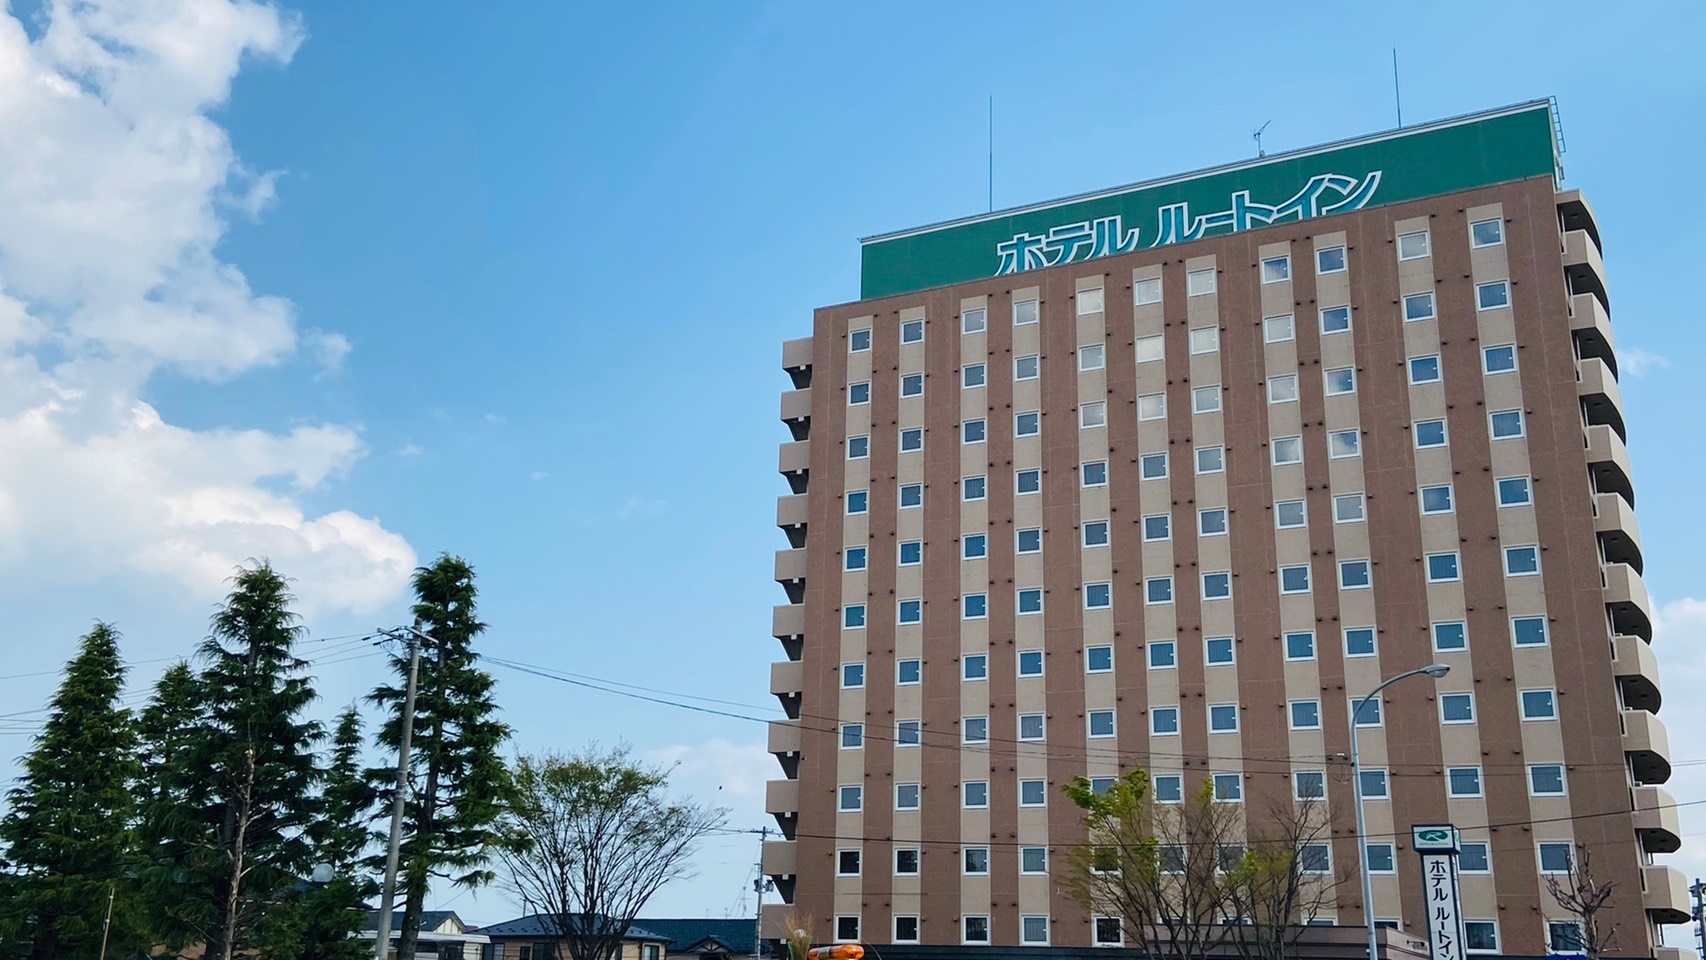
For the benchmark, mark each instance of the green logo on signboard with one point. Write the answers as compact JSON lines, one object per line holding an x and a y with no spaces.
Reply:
{"x":1433,"y":836}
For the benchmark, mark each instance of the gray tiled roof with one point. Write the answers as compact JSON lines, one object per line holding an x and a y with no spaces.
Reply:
{"x":736,"y":935}
{"x":545,"y":925}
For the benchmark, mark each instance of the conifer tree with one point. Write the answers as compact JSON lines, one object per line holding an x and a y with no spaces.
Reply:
{"x":459,"y":780}
{"x":164,"y":727}
{"x":68,"y":830}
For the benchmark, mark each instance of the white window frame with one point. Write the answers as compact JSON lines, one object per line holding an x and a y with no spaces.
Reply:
{"x":1026,"y":312}
{"x":1200,"y":283}
{"x":1084,"y":473}
{"x":1344,"y":260}
{"x":1302,"y":514}
{"x":1551,"y":699}
{"x":1089,"y":350}
{"x":853,"y":340}
{"x":1093,"y":415}
{"x":1219,"y":455}
{"x":1207,"y":597}
{"x":1036,"y":363}
{"x":1456,"y":575}
{"x":974,"y":320}
{"x":1155,"y":715}
{"x":907,"y":326}
{"x":1152,"y":406}
{"x":1368,"y":574}
{"x":1433,"y":635}
{"x":1450,"y":500}
{"x":1274,"y":450}
{"x":1563,"y":781}
{"x":1486,"y":354}
{"x":1289,"y":330}
{"x":1334,"y":444}
{"x":1444,"y":433}
{"x":1361,"y":508}
{"x":1276,"y":269}
{"x":1476,"y":243}
{"x":1480,"y":784}
{"x":1147,"y":345}
{"x":1418,"y":298}
{"x":1089,"y":301}
{"x":982,"y":376}
{"x":1209,"y":391}
{"x":1019,"y":431}
{"x":1141,"y":288}
{"x":1204,"y":514}
{"x":1506,"y":552}
{"x":1413,"y":254}
{"x":1439,"y":372}
{"x":1482,"y":289}
{"x":1213,"y":338}
{"x":1456,"y":696}
{"x":1096,"y":543}
{"x":1329,"y":388}
{"x":1282,"y":389}
{"x":1344,"y":329}
{"x":1291,"y":714}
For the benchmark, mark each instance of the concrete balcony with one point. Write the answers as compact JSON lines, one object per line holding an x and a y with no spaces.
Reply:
{"x":788,"y":624}
{"x":791,"y":514}
{"x":783,"y":796}
{"x":1664,"y":892}
{"x":786,"y":681}
{"x":1584,"y":266}
{"x":1647,"y":746}
{"x":1656,"y":821}
{"x":797,"y":361}
{"x":781,"y":858}
{"x":795,"y":463}
{"x":1619,"y":536}
{"x":1591,"y":326}
{"x":797,"y":412}
{"x":785,"y":745}
{"x":1661,"y":952}
{"x":773,"y":921}
{"x":1575,"y":214}
{"x":1626,"y":598}
{"x":791,"y":573}
{"x":1608,"y":461}
{"x":1637,"y":673}
{"x":1602,"y":401}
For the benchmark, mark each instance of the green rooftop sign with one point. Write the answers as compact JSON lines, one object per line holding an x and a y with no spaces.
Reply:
{"x":1514,"y":143}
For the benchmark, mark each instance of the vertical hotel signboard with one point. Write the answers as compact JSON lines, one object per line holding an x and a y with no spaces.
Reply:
{"x":1438,"y":846}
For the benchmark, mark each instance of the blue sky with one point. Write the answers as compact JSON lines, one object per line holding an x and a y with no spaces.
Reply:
{"x":512,"y":280}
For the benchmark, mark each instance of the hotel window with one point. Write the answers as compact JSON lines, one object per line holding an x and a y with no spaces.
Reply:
{"x":1290,"y":513}
{"x":1096,"y":533}
{"x":976,"y":930}
{"x":1150,"y":350}
{"x":1443,"y":568}
{"x":912,"y":385}
{"x":1024,"y":311}
{"x":1412,"y":246}
{"x":1092,"y":415}
{"x":906,"y":862}
{"x":1276,"y":270}
{"x":858,"y":393}
{"x":847,"y":929}
{"x":1305,"y":715}
{"x":1294,"y":579}
{"x":1089,"y":301}
{"x":1486,"y":233}
{"x":1030,"y":726}
{"x":1217,"y":586}
{"x":1211,"y":460}
{"x":1359,"y":642}
{"x":1027,"y":481}
{"x":1368,"y":715}
{"x":976,"y":861}
{"x":1218,"y":651}
{"x":974,"y":488}
{"x":1528,"y":631}
{"x":1164,"y":721}
{"x":1373,"y":784}
{"x":1152,"y":406}
{"x":974,"y":730}
{"x":1158,"y":590}
{"x":1330,"y":260}
{"x":1491,"y":296}
{"x":1146,"y":291}
{"x":1463,"y":781}
{"x":1538,"y":705}
{"x":1430,"y":433}
{"x":1199,"y":282}
{"x":973,"y":321}
{"x":1279,"y":329}
{"x":1163,"y":655}
{"x":1348,"y":508}
{"x":853,"y":616}
{"x":1030,"y":663}
{"x":906,"y":796}
{"x":1033,"y":793}
{"x":1418,"y":306}
{"x":1450,"y":636}
{"x":1211,"y":522}
{"x":847,"y":863}
{"x":912,"y":331}
{"x":1456,"y":708}
{"x":1546,"y":780}
{"x":858,"y":448}
{"x":1169,"y":789}
{"x":1507,"y":424}
{"x":912,"y":440}
{"x":1343,"y":443}
{"x":1094,"y":473}
{"x":972,"y":431}
{"x":1099,"y":659}
{"x":1025,"y":368}
{"x":976,"y":606}
{"x":1205,"y":399}
{"x":1101,"y":723}
{"x":1514,"y":491}
{"x":1436,"y":499}
{"x":1223,"y":718}
{"x":1287,"y":450}
{"x":1027,"y":424}
{"x":1555,"y":857}
{"x":1424,"y":369}
{"x":1522,"y":561}
{"x":911,"y":611}
{"x":1205,"y":340}
{"x":852,"y":676}
{"x":1109,"y":932}
{"x":1335,"y":319}
{"x":1031,"y":600}
{"x":908,"y":733}
{"x":854,"y":559}
{"x":851,"y":798}
{"x":1474,"y":858}
{"x":976,"y":667}
{"x":1480,"y":936}
{"x":1300,"y":646}
{"x":1092,"y":357}
{"x":1282,"y":389}
{"x":1341,"y":380}
{"x":911,"y":553}
{"x":1033,"y":860}
{"x":1380,"y":858}
{"x":973,"y":375}
{"x":1354,"y":574}
{"x":1098,"y":596}
{"x":859,"y":341}
{"x":1499,"y":359}
{"x":908,"y":672}
{"x":1029,"y":540}
{"x":1228,"y":787}
{"x":1157,"y":527}
{"x":1152,"y":466}
{"x":911,"y":495}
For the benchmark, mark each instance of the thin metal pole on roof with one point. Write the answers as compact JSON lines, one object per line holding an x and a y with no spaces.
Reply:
{"x":992,"y":153}
{"x":1397,"y":97}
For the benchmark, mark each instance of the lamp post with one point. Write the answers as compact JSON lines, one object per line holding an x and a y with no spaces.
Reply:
{"x":1435,"y":670}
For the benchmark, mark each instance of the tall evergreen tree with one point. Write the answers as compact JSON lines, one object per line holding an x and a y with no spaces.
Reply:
{"x":68,"y":832}
{"x":459,"y":781}
{"x":164,"y":729}
{"x":242,"y":775}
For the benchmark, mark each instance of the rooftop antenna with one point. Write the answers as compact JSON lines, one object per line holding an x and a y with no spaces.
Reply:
{"x":1397,"y":98}
{"x":1257,"y":136}
{"x":992,"y":153}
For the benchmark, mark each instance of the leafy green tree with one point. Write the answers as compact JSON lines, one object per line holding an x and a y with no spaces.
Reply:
{"x":67,"y":832}
{"x":459,"y":783}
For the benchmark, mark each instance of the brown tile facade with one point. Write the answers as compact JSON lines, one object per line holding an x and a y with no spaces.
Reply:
{"x":1288,"y":647}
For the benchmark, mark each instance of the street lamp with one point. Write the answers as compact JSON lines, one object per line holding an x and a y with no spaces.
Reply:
{"x":1435,"y":670}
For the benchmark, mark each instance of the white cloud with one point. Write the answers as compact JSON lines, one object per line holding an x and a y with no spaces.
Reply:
{"x":496,"y":418}
{"x":721,"y":774}
{"x":113,"y":182}
{"x":1638,"y":363}
{"x":640,"y":507}
{"x":538,"y":475}
{"x":1678,"y":627}
{"x":409,"y":450}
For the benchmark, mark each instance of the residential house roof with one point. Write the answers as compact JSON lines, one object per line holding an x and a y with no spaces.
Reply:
{"x":691,"y":935}
{"x":545,"y":925}
{"x":436,"y":921}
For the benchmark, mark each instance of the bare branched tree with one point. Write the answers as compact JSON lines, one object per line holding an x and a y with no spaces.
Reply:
{"x":589,"y":838}
{"x":1284,"y":881}
{"x":1584,"y":898}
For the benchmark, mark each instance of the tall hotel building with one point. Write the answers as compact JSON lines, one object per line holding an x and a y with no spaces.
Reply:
{"x":1163,"y":477}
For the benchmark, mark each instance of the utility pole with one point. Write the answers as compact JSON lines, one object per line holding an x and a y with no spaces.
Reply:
{"x":758,"y":887}
{"x":107,"y":925}
{"x":382,"y":941}
{"x":1698,"y":891}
